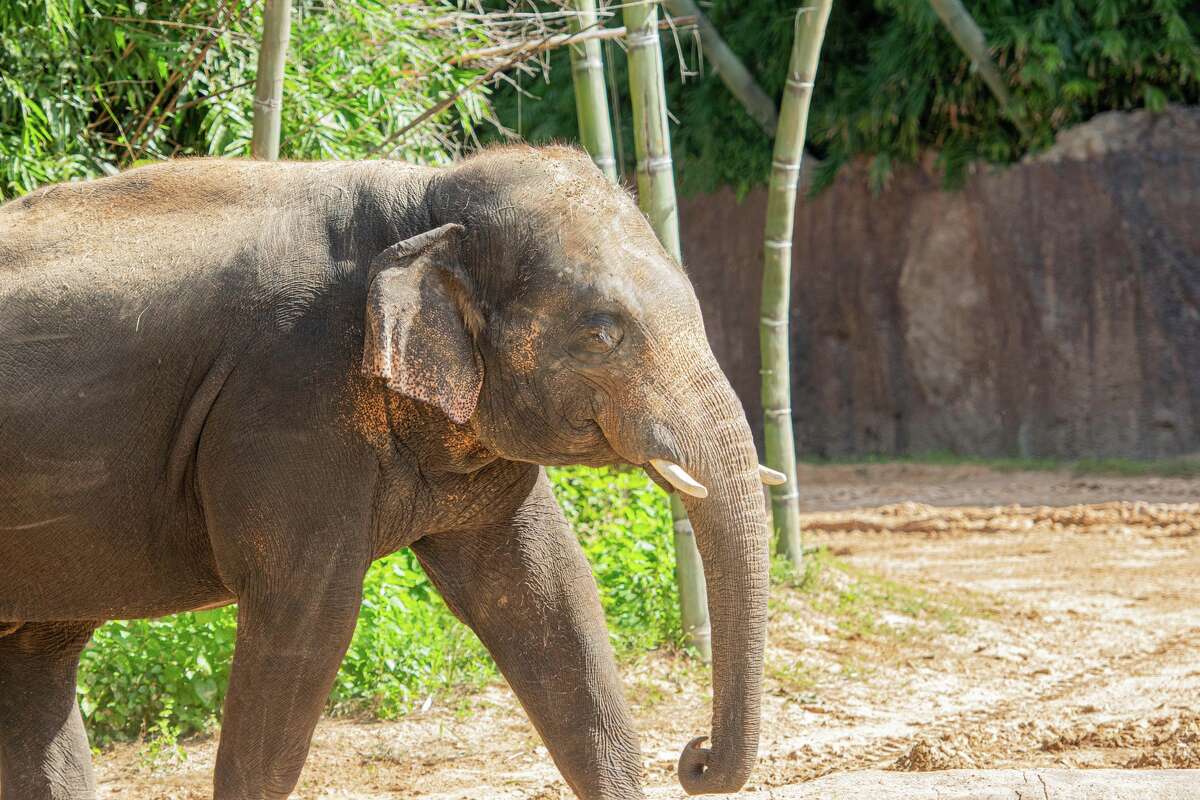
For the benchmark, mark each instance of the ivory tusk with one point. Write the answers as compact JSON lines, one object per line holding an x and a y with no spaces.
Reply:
{"x":771,"y":477}
{"x":677,"y":477}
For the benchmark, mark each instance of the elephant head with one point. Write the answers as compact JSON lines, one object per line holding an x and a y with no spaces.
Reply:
{"x":541,"y":311}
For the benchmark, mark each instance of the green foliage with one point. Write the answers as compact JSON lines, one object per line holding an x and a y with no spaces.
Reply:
{"x":162,"y":740}
{"x":892,"y":83}
{"x":807,"y":575}
{"x":407,"y":645}
{"x":1065,"y":60}
{"x":136,"y":669}
{"x":166,"y":678}
{"x":623,"y":521}
{"x":90,"y":86}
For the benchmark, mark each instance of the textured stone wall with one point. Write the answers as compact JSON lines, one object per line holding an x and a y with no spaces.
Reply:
{"x":1048,"y":309}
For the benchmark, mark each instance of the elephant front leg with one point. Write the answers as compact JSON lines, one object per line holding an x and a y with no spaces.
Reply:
{"x":291,"y":539}
{"x":527,"y":591}
{"x":289,"y":647}
{"x":294,"y":550}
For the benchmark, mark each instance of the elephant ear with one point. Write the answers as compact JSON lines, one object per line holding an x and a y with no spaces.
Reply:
{"x":421,"y":322}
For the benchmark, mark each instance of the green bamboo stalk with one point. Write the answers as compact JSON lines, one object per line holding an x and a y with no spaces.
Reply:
{"x":777,"y":273}
{"x":615,"y":104}
{"x":268,"y":83}
{"x":970,"y":39}
{"x":729,"y":67}
{"x":591,"y":100}
{"x":656,"y":196}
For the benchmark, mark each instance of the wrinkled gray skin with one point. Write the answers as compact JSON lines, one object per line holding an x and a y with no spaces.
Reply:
{"x":226,"y":381}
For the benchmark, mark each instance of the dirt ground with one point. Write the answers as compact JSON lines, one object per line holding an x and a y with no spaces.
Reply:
{"x":958,"y":617}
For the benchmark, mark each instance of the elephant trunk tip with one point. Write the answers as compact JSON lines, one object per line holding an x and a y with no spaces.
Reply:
{"x":700,"y":772}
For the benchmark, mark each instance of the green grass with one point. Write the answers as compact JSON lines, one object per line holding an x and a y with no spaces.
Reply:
{"x":857,"y":599}
{"x":1181,"y":467}
{"x":868,"y":620}
{"x":1176,"y":467}
{"x":166,"y":678}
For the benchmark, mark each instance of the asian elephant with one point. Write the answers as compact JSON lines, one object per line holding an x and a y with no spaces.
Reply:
{"x":231,"y":381}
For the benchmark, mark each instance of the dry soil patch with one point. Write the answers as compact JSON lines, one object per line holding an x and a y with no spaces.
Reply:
{"x":967,"y":620}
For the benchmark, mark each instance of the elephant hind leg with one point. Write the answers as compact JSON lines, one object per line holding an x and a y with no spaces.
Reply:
{"x":44,"y":751}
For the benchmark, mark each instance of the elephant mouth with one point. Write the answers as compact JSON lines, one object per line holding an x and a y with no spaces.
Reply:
{"x":584,"y":444}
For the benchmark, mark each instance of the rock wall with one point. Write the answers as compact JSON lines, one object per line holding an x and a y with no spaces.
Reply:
{"x":1051,"y":308}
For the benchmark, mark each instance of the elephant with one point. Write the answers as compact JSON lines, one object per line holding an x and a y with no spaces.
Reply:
{"x":233,"y":381}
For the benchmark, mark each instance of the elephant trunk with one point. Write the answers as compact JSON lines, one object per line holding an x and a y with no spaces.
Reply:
{"x":732,"y":535}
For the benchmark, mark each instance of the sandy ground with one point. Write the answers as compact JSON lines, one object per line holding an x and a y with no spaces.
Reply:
{"x":965,"y":618}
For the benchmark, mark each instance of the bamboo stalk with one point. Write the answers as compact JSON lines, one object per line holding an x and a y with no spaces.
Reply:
{"x":656,"y":196}
{"x":558,"y":40}
{"x":777,"y":273}
{"x":268,"y":84}
{"x":729,"y":67}
{"x":693,"y":592}
{"x":970,"y":39}
{"x":614,"y":100}
{"x":591,"y":99}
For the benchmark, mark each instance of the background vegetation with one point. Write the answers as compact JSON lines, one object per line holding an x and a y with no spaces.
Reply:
{"x":167,"y":677}
{"x":90,"y":86}
{"x":893,"y":84}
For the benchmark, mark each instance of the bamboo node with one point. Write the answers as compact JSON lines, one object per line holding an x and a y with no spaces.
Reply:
{"x":786,"y":166}
{"x":640,"y":39}
{"x":778,"y":244}
{"x":792,"y":495}
{"x":799,"y":85}
{"x":773,"y":323}
{"x":268,"y":104}
{"x":655,"y":164}
{"x":585,"y":64}
{"x":604,"y":161}
{"x":786,"y":411}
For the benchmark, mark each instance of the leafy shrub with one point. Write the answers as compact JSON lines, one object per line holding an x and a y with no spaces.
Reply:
{"x":407,"y":644}
{"x":136,"y":668}
{"x":167,"y":677}
{"x":623,"y":521}
{"x":892,"y":83}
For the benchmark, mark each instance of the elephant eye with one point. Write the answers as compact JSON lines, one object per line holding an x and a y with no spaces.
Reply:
{"x":596,"y":337}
